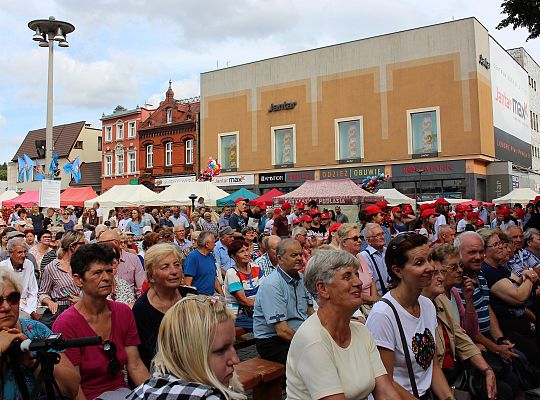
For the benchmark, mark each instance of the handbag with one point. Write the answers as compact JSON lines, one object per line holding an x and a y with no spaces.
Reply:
{"x":468,"y":383}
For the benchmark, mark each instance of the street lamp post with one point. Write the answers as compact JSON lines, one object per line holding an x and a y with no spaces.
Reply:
{"x":192,"y":197}
{"x":419,"y":171}
{"x":47,"y":31}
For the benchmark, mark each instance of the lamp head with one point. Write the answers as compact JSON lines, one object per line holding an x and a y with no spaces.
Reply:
{"x":63,"y":43}
{"x":43,"y":43}
{"x":37,"y":36}
{"x":59,"y":37}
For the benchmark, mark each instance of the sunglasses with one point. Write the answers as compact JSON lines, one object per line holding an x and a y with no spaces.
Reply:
{"x":400,"y":238}
{"x":13,"y":298}
{"x":355,"y":238}
{"x":110,"y":351}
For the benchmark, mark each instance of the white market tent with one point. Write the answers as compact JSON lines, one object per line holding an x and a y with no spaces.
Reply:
{"x":394,"y":197}
{"x":450,"y":200}
{"x":519,"y":195}
{"x":8,"y":195}
{"x":125,"y":196}
{"x":178,"y":194}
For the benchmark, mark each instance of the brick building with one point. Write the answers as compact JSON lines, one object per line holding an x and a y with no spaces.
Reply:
{"x":167,"y":142}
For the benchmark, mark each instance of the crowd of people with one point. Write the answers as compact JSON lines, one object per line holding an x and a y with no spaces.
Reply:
{"x":393,"y":302}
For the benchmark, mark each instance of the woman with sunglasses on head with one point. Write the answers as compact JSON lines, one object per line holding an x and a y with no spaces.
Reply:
{"x":413,"y":368}
{"x":57,"y":290}
{"x":456,"y":352}
{"x":22,"y":364}
{"x":102,"y":368}
{"x":196,"y":356}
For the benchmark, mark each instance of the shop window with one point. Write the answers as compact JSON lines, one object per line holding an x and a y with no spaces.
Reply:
{"x":228,"y":153}
{"x":283,"y":146}
{"x":454,"y":188}
{"x":349,"y":139}
{"x":424,"y":132}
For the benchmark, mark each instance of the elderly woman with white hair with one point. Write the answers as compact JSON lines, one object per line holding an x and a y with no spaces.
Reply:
{"x":329,"y":349}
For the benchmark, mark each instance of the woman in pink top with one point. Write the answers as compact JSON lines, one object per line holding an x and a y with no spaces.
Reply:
{"x":102,"y":368}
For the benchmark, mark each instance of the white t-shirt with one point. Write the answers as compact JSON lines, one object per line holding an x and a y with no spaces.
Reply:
{"x":99,"y":213}
{"x":441,"y":220}
{"x":461,"y":225}
{"x":419,"y":332}
{"x":318,"y":367}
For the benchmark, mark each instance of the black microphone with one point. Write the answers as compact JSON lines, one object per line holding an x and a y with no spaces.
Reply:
{"x":54,"y":342}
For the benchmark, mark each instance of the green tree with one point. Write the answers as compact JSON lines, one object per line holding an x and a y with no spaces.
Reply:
{"x":3,"y":172}
{"x":522,"y":14}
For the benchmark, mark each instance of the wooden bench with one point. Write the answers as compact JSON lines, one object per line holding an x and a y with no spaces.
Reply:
{"x":243,"y":338}
{"x":263,"y":376}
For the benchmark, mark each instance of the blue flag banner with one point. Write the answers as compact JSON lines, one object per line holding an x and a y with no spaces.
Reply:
{"x":39,"y":174}
{"x":28,"y":166}
{"x":54,"y":163}
{"x":76,"y":170}
{"x":21,"y":169}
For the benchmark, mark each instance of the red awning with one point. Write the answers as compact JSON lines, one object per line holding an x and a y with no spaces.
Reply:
{"x":268,"y":197}
{"x":27,"y":199}
{"x":76,"y":196}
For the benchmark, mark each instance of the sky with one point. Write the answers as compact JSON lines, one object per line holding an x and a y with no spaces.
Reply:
{"x":124,"y":52}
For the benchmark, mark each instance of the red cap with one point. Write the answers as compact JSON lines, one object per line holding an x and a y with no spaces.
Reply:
{"x":382,"y":204}
{"x":325,"y":216}
{"x":537,"y":198}
{"x":479,"y":222}
{"x":407,"y":209}
{"x":373,"y":210}
{"x":314,"y":212}
{"x":297,"y":221}
{"x":306,"y":218}
{"x":472,"y":215}
{"x":428,"y":212}
{"x":396,"y":209}
{"x":425,"y":206}
{"x":277,"y":211}
{"x":504,"y":211}
{"x":286,"y":206}
{"x":520,"y":212}
{"x":334,"y":227}
{"x":240,"y":199}
{"x":299,"y":205}
{"x":442,"y":200}
{"x":261,"y":204}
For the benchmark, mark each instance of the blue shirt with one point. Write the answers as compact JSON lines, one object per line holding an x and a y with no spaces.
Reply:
{"x":379,"y":269}
{"x":523,"y":259}
{"x":280,"y":298}
{"x":136,"y":227}
{"x":480,"y":301}
{"x":387,"y":237}
{"x":203,"y":270}
{"x":222,"y":256}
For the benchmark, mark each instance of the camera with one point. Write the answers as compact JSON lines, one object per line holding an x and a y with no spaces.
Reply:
{"x":53,"y":342}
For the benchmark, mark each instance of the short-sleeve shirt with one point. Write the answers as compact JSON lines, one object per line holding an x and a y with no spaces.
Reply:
{"x":313,"y":347}
{"x":499,"y":306}
{"x":281,"y":225}
{"x":523,"y":259}
{"x":420,"y":336}
{"x":92,"y":360}
{"x":237,"y":223}
{"x":249,"y":284}
{"x":203,"y":270}
{"x":280,"y":298}
{"x":222,"y":257}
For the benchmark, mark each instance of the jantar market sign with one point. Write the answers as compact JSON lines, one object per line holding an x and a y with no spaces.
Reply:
{"x":282,"y":106}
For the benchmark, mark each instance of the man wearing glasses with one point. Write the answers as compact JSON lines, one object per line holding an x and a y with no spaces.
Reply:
{"x":374,"y":255}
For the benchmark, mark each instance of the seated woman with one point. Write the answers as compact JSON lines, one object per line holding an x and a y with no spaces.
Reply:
{"x":101,"y":368}
{"x":456,"y":351}
{"x":163,"y":264}
{"x":328,"y":349}
{"x":11,"y":328}
{"x":241,"y":284}
{"x":410,"y":271}
{"x":195,"y":357}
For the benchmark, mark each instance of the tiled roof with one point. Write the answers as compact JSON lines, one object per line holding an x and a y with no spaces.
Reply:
{"x":90,"y":175}
{"x":64,"y":137}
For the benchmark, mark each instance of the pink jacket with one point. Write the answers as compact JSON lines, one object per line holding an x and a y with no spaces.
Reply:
{"x":469,"y":320}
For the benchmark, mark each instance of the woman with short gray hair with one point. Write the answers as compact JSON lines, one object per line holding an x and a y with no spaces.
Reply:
{"x":331,"y":339}
{"x":532,"y":241}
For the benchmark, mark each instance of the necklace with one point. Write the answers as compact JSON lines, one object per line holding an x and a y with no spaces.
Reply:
{"x":413,"y":310}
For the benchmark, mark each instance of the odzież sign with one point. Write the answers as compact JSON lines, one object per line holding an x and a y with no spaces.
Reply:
{"x":282,"y":106}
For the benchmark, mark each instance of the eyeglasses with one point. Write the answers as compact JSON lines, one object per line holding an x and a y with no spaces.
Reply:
{"x":454,"y":267}
{"x":13,"y":299}
{"x":496,"y":244}
{"x":400,"y":238}
{"x":110,"y":351}
{"x":436,"y":272}
{"x":354,"y":238}
{"x":377,"y":236}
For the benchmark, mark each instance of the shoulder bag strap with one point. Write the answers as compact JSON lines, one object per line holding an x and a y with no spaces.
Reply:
{"x":405,"y":348}
{"x":381,"y":280}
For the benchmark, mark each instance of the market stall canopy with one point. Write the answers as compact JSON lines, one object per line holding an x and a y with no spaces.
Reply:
{"x":329,"y":191}
{"x":474,"y":203}
{"x":8,"y":195}
{"x":268,"y":197}
{"x":27,"y":199}
{"x":519,"y":195}
{"x":450,"y":200}
{"x":178,"y":193}
{"x":229,"y":200}
{"x":76,"y":196}
{"x":125,"y":196}
{"x":394,"y":197}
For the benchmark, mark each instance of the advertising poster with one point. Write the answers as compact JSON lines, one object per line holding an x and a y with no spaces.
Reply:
{"x":49,"y":195}
{"x":511,"y":112}
{"x":228,"y":152}
{"x":424,"y":131}
{"x":349,"y":140}
{"x":284,"y":146}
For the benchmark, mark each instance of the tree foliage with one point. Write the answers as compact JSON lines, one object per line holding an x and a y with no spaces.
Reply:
{"x":3,"y":172}
{"x":522,"y":14}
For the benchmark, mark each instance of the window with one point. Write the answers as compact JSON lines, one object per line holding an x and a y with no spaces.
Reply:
{"x":228,"y":154}
{"x":149,"y":156}
{"x":120,"y":164}
{"x":349,"y":139}
{"x":168,"y":154}
{"x":78,"y":144}
{"x":131,"y":129}
{"x":424,"y":132}
{"x":283,"y":146}
{"x":169,"y":115}
{"x":108,"y":165}
{"x":99,"y":143}
{"x":108,"y":133}
{"x":131,"y":167}
{"x":120,"y":131}
{"x":189,"y":151}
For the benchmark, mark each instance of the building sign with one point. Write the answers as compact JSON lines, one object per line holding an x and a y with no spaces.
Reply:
{"x":432,"y":168}
{"x":356,"y":173}
{"x":515,"y":182}
{"x":175,"y":179}
{"x":498,"y":186}
{"x":233,"y":180}
{"x":299,"y":176}
{"x":275,"y":177}
{"x":510,"y":99}
{"x":282,"y":106}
